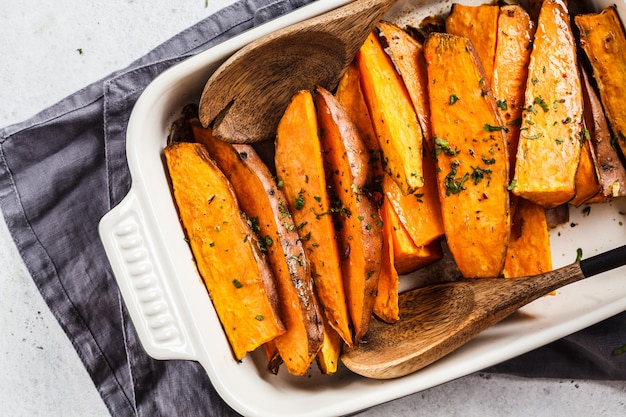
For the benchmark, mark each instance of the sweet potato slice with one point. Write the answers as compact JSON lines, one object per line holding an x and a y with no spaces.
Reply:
{"x":300,"y":170}
{"x":359,"y":224}
{"x":472,"y":164}
{"x":407,"y":257}
{"x":480,"y":25}
{"x":394,"y":119}
{"x":235,"y":271}
{"x":510,"y":71}
{"x":610,"y":169}
{"x":265,"y":206}
{"x":550,"y":140}
{"x":350,"y":96}
{"x":529,"y":247}
{"x":328,"y":357}
{"x":407,"y":55}
{"x":603,"y":39}
{"x":587,"y":182}
{"x":420,"y":212}
{"x":386,"y":304}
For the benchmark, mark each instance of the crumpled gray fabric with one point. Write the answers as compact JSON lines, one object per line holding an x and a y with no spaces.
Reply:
{"x":63,"y":169}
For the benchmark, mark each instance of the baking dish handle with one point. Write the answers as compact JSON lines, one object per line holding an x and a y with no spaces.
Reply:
{"x":153,"y":305}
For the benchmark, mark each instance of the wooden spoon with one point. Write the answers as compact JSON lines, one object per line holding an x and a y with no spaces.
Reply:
{"x":244,"y":99}
{"x":437,"y":319}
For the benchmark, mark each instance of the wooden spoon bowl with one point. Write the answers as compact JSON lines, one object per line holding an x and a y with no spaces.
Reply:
{"x":436,"y":320}
{"x":245,"y":97}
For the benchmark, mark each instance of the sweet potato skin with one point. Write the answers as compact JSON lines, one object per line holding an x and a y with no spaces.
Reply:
{"x":549,"y":147}
{"x":227,"y":253}
{"x":300,"y":171}
{"x":395,"y":122}
{"x":264,"y":204}
{"x":472,"y":163}
{"x":603,"y":39}
{"x":346,"y":161}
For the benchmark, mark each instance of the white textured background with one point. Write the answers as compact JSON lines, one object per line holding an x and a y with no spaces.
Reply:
{"x":50,"y":49}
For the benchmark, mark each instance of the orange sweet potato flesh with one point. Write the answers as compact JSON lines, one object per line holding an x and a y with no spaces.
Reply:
{"x":480,"y":25}
{"x":359,"y":225}
{"x":529,"y":248}
{"x":510,"y":71}
{"x":587,"y":182}
{"x":228,"y":256}
{"x":420,"y":212}
{"x":328,"y":356}
{"x":386,"y":305}
{"x":407,"y":257}
{"x":300,"y":170}
{"x":265,"y":205}
{"x":550,"y":140}
{"x":603,"y":39}
{"x":395,"y":122}
{"x":472,"y":162}
{"x":407,"y":55}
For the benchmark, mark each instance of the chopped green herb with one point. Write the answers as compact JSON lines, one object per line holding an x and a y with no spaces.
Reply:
{"x":512,"y":184}
{"x":419,"y":196}
{"x":442,"y":145}
{"x":579,"y":254}
{"x":544,"y":106}
{"x":453,"y":99}
{"x":259,"y":317}
{"x":453,"y":184}
{"x":536,"y":136}
{"x":237,"y":284}
{"x":478,"y":174}
{"x":619,"y":350}
{"x":80,"y":51}
{"x":586,"y":211}
{"x":501,"y":104}
{"x":490,"y":128}
{"x":299,"y":201}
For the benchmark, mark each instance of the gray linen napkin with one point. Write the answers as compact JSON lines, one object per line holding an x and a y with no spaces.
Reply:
{"x":63,"y":169}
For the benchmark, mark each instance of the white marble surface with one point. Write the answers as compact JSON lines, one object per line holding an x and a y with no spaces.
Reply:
{"x":50,"y":49}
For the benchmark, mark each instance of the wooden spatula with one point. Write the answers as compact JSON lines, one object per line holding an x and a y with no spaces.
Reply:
{"x":437,"y":319}
{"x":245,"y":98}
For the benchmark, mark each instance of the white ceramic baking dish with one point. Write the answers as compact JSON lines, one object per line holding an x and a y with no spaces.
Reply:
{"x":175,"y":319}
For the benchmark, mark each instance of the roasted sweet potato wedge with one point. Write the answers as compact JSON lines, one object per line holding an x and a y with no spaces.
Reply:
{"x":550,"y":140}
{"x":395,"y":122}
{"x":472,"y":163}
{"x":235,"y":271}
{"x":350,"y":95}
{"x":359,"y":224}
{"x":529,"y":250}
{"x":611,"y":171}
{"x":386,"y":305}
{"x":480,"y":25}
{"x":265,"y":206}
{"x":603,"y":39}
{"x":420,"y":212}
{"x":328,"y":357}
{"x":408,"y":57}
{"x":300,"y":171}
{"x":407,"y":257}
{"x":587,"y":181}
{"x":510,"y":71}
